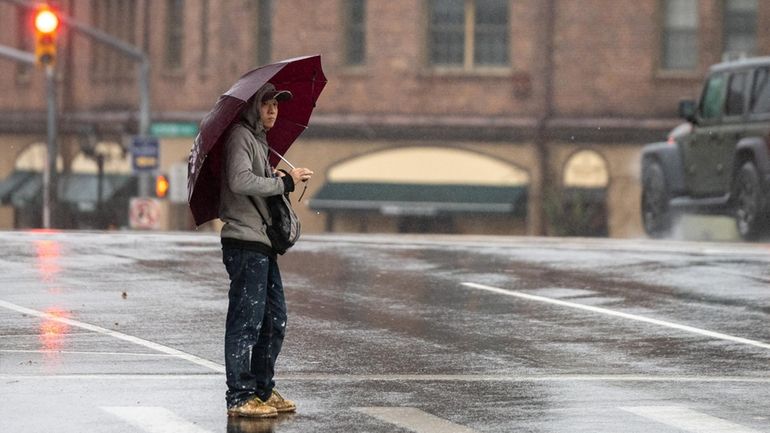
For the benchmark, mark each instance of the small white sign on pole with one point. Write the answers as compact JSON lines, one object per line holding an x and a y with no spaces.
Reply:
{"x":144,"y":214}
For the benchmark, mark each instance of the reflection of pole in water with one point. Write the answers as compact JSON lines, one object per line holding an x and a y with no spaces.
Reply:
{"x":47,"y":263}
{"x":53,"y":331}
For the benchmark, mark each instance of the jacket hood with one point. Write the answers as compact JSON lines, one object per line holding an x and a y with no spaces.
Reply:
{"x":250,"y":112}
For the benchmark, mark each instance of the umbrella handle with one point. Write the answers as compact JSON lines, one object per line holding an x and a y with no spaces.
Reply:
{"x":282,"y":158}
{"x":292,"y":167}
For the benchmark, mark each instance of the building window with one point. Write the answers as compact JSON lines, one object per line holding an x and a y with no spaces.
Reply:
{"x":263,"y":33}
{"x":740,"y":28}
{"x":117,"y":18}
{"x":355,"y":32}
{"x":24,"y":38}
{"x":172,"y":58}
{"x":680,"y":34}
{"x":468,"y":33}
{"x":204,"y":27}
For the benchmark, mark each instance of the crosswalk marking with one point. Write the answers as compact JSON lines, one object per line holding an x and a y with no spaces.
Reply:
{"x":154,"y":419}
{"x":414,"y":420}
{"x":687,"y":420}
{"x":160,"y":420}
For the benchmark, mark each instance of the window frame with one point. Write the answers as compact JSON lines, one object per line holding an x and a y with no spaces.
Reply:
{"x":118,"y":19}
{"x":469,"y":24}
{"x":173,"y":60}
{"x":354,"y":30}
{"x":263,"y":32}
{"x":726,"y":35}
{"x":663,"y":46}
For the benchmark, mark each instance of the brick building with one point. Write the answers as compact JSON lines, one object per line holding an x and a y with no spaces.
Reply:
{"x":472,"y":116}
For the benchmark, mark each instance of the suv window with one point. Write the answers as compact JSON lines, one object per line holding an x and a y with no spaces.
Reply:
{"x":735,"y":92}
{"x":713,"y":96}
{"x":760,"y":93}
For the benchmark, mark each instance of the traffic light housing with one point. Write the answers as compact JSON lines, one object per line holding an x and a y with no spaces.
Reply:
{"x":46,"y":31}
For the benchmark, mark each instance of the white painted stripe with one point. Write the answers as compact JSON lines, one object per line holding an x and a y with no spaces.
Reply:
{"x":408,"y":378}
{"x":120,"y":336}
{"x":608,"y":312}
{"x":154,"y":419}
{"x":688,"y":420}
{"x":101,"y":377}
{"x":414,"y":420}
{"x":76,"y":352}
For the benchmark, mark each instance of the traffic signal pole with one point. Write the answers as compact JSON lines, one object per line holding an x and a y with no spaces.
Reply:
{"x":17,"y":55}
{"x":50,"y":175}
{"x":129,"y":51}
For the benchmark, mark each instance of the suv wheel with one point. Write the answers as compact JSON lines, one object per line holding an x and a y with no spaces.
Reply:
{"x":656,"y":214}
{"x":749,"y":202}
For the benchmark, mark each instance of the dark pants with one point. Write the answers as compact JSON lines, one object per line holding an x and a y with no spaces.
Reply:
{"x":256,"y":324}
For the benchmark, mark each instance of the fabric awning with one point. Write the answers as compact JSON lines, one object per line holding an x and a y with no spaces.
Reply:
{"x":420,"y":199}
{"x":12,"y":183}
{"x":23,"y":187}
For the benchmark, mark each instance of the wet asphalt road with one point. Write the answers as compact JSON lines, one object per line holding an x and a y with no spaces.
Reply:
{"x":122,"y":332}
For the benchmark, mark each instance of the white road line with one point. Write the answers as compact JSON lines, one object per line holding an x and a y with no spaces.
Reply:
{"x":608,"y":312}
{"x":320,"y":377}
{"x":76,"y":352}
{"x":414,"y":420}
{"x":154,"y":419}
{"x":120,"y":336}
{"x":688,"y":420}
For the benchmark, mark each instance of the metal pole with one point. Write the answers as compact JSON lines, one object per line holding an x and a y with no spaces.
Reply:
{"x":145,"y":179}
{"x":540,"y":225}
{"x":17,"y":55}
{"x":144,"y":97}
{"x":50,"y":180}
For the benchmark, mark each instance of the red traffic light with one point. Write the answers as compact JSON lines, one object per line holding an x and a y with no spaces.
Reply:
{"x":46,"y":20}
{"x":46,"y":27}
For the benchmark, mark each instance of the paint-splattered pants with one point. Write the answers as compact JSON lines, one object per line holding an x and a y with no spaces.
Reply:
{"x":256,"y":324}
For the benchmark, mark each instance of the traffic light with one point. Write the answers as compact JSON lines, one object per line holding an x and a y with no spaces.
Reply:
{"x":161,"y":186}
{"x":46,"y":29}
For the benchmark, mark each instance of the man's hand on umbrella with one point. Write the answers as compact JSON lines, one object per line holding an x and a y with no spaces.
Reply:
{"x":301,"y":174}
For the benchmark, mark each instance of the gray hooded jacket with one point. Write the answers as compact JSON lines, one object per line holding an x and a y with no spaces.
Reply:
{"x":247,"y":178}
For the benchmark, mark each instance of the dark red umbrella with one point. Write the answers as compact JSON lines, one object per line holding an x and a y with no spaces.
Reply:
{"x":302,"y":76}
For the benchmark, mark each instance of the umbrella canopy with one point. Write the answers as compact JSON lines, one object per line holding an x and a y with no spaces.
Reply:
{"x":302,"y":76}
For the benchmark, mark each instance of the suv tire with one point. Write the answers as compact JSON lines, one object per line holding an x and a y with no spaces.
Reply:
{"x":656,"y":214}
{"x":749,"y":202}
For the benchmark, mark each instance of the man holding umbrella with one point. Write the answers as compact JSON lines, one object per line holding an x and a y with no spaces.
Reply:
{"x":256,"y":316}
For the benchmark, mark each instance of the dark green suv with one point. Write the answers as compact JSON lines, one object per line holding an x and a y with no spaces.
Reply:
{"x":720,"y":163}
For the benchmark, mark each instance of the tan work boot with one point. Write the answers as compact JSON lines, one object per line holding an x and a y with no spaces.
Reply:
{"x":280,"y":404}
{"x":254,"y":408}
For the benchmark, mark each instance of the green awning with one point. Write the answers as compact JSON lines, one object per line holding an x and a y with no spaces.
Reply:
{"x":22,"y":188}
{"x":420,"y":199}
{"x":12,"y":183}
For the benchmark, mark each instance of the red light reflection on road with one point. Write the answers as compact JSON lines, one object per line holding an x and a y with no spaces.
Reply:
{"x":48,"y":253}
{"x":52,"y":331}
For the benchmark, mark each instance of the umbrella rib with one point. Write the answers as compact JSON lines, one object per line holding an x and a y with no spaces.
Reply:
{"x":282,"y":158}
